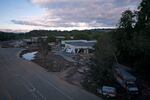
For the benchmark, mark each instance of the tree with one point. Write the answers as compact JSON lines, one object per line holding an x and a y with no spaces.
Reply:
{"x":82,"y":36}
{"x":51,"y":38}
{"x":143,"y":15}
{"x":133,"y":42}
{"x":127,"y":21}
{"x":123,"y":37}
{"x":67,"y":36}
{"x":130,"y":42}
{"x":101,"y":68}
{"x":4,"y":36}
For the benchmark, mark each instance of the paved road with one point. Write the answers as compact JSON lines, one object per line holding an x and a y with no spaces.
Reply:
{"x":23,"y":80}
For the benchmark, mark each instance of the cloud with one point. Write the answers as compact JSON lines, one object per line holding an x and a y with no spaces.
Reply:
{"x":40,"y":2}
{"x":80,"y":13}
{"x":21,"y":22}
{"x":15,"y":30}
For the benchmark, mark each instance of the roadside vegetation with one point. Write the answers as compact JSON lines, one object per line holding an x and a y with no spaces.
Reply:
{"x":129,"y":45}
{"x":84,"y":34}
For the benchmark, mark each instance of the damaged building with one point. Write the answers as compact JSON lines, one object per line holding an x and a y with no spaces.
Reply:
{"x":78,"y":46}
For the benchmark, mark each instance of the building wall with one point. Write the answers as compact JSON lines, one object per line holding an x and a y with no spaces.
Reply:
{"x":77,"y":49}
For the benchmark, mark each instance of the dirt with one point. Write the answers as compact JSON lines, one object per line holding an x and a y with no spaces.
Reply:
{"x":53,"y":62}
{"x":62,"y":68}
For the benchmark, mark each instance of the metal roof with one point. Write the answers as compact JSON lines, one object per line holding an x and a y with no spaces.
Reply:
{"x":124,"y":72}
{"x":80,"y":43}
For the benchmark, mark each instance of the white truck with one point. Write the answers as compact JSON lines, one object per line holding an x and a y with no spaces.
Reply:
{"x":125,"y":79}
{"x":107,"y":91}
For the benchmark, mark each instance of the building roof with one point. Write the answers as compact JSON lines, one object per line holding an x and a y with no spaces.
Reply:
{"x":74,"y":41}
{"x":60,"y":37}
{"x":82,"y":43}
{"x":124,"y":72}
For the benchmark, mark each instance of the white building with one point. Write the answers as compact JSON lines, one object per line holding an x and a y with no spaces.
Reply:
{"x":78,"y":46}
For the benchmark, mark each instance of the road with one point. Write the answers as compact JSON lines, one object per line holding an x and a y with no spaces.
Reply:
{"x":24,"y":80}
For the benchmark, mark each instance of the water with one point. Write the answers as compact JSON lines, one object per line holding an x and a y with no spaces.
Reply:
{"x":29,"y":56}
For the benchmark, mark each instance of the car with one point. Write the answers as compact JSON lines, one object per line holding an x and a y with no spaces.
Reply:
{"x":107,"y":91}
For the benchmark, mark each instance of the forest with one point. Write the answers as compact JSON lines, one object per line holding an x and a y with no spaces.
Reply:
{"x":83,"y":34}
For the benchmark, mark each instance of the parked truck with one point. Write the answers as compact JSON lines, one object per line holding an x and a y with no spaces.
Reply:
{"x":125,"y":79}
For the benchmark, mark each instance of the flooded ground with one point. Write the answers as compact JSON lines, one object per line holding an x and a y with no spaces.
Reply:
{"x":29,"y":56}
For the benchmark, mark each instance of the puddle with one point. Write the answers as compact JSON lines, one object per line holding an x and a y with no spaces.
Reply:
{"x":29,"y":56}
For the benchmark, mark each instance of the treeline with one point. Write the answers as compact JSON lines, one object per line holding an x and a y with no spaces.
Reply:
{"x":84,"y":34}
{"x":7,"y":36}
{"x":132,"y":39}
{"x":129,"y":45}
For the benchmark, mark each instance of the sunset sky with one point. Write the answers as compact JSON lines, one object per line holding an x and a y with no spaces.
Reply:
{"x":25,"y":15}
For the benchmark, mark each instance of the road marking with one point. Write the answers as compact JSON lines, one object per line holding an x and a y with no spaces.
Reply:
{"x":35,"y":93}
{"x":31,"y":89}
{"x":69,"y":97}
{"x":6,"y":92}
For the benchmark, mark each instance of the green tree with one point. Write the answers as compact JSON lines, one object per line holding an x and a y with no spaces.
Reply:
{"x":143,"y":15}
{"x":127,"y":21}
{"x":4,"y":36}
{"x":51,"y":38}
{"x":133,"y":47}
{"x":123,"y":38}
{"x":82,"y":36}
{"x":101,"y":71}
{"x":67,"y":36}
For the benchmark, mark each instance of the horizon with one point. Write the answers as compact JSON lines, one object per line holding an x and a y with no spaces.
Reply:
{"x":23,"y":31}
{"x":63,"y":15}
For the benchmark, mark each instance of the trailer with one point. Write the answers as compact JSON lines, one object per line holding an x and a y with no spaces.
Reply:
{"x":125,"y":78}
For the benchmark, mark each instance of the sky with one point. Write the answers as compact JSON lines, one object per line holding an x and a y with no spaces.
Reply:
{"x":26,"y":15}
